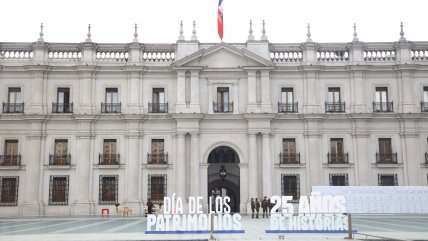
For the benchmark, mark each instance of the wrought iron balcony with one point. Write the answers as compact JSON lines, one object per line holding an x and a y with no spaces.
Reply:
{"x":13,"y":107}
{"x":289,"y":158}
{"x":386,"y":158}
{"x":59,"y":160}
{"x":158,"y":107}
{"x":157,"y":158}
{"x":288,"y":107}
{"x":62,"y":107}
{"x":383,"y":106}
{"x":223,"y":107}
{"x":111,"y":107}
{"x":335,"y":107}
{"x":10,"y":160}
{"x":109,"y":159}
{"x":338,"y":158}
{"x":424,"y":106}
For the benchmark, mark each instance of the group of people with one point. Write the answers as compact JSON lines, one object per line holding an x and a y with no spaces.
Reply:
{"x":255,"y":207}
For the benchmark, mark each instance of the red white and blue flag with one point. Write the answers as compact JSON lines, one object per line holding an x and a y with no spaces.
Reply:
{"x":220,"y":19}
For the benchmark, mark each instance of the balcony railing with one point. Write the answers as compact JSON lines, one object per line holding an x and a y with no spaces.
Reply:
{"x":338,"y":158}
{"x":10,"y":160}
{"x":287,"y":107}
{"x":13,"y":107}
{"x":386,"y":158}
{"x":155,"y":158}
{"x":383,"y":106}
{"x":109,"y":159}
{"x":289,"y":158}
{"x":59,"y":160}
{"x":424,"y":106}
{"x":158,"y":107}
{"x":223,"y":107}
{"x":62,"y":107}
{"x":111,"y":107}
{"x":334,"y":106}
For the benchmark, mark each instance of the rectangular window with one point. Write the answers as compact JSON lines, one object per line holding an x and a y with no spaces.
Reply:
{"x":15,"y":102}
{"x":158,"y":152}
{"x":425,"y":93}
{"x":9,"y":191}
{"x":157,"y":187}
{"x":63,"y":96}
{"x":11,"y":157}
{"x":108,"y":189}
{"x":158,"y":101}
{"x":287,"y":101}
{"x":109,"y":156}
{"x":58,"y":190}
{"x":111,"y":95}
{"x":385,"y":145}
{"x":339,"y":179}
{"x":60,"y":152}
{"x":63,"y":101}
{"x":337,"y":154}
{"x":381,"y":94}
{"x":334,"y":94}
{"x":289,"y":146}
{"x":291,"y":186}
{"x":223,"y":100}
{"x":388,"y":180}
{"x":287,"y":96}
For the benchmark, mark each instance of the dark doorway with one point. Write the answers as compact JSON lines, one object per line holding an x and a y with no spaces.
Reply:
{"x":223,"y":175}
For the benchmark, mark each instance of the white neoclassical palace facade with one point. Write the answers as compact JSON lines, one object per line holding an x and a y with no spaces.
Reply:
{"x":86,"y":125}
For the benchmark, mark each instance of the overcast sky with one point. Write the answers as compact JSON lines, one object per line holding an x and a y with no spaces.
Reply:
{"x":158,"y":20}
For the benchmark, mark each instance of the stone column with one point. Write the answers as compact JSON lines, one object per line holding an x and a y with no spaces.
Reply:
{"x":133,"y":167}
{"x":311,"y":92}
{"x":37,"y":92}
{"x":194,"y":165}
{"x":358,"y":91}
{"x":406,"y":95}
{"x":266,"y":165}
{"x":180,"y":166}
{"x":236,"y":97}
{"x":31,"y":158}
{"x":210,"y":98}
{"x":313,"y":154}
{"x":252,"y":166}
{"x":265,"y":84}
{"x":133,"y":91}
{"x":82,"y":205}
{"x":251,"y":91}
{"x":362,"y":158}
{"x":194,"y":93}
{"x":181,"y":91}
{"x":86,"y":89}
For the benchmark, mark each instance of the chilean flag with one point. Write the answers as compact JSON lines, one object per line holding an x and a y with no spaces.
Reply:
{"x":220,"y":19}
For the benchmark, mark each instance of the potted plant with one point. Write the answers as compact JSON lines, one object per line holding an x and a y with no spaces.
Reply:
{"x":117,"y":204}
{"x":160,"y":207}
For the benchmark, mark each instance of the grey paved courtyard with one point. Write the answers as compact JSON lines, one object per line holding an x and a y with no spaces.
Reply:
{"x":132,"y":228}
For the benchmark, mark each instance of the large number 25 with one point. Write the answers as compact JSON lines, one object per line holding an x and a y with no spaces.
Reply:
{"x":283,"y":202}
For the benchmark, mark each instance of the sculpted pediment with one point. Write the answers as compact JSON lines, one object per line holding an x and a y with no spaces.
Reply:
{"x":223,"y":55}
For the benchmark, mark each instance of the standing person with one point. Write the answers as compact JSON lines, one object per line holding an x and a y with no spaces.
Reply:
{"x":270,"y":205}
{"x":257,"y":207}
{"x":150,"y":206}
{"x":253,"y":207}
{"x":265,"y":206}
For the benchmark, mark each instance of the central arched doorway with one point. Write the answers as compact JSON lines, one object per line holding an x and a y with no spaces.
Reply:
{"x":223,"y":175}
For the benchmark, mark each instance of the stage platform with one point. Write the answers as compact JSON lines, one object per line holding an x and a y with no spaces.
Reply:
{"x":398,"y":227}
